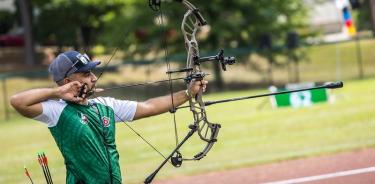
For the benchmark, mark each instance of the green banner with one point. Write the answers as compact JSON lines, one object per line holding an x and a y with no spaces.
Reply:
{"x":301,"y":99}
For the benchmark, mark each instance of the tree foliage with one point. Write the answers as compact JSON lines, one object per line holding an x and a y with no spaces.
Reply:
{"x":7,"y":20}
{"x":364,"y":19}
{"x":138,"y":31}
{"x":232,"y":23}
{"x":131,"y":22}
{"x":72,"y":23}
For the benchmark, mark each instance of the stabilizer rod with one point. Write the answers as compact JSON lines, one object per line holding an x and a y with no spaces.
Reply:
{"x":332,"y":85}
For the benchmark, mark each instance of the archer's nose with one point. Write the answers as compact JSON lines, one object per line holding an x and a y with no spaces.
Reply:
{"x":93,"y":77}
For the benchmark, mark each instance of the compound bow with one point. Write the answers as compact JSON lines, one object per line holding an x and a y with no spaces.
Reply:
{"x":207,"y":131}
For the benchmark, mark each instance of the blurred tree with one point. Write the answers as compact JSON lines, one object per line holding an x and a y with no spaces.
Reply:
{"x":364,"y":19}
{"x":25,"y":9}
{"x":132,"y":26}
{"x":133,"y":30}
{"x":72,"y":23}
{"x":232,"y":24}
{"x":7,"y":20}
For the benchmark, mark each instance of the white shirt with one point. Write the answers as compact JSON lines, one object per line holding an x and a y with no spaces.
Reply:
{"x":124,"y":110}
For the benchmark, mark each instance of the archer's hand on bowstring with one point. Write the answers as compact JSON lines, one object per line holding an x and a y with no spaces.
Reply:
{"x":195,"y":86}
{"x":71,"y":91}
{"x":76,"y":91}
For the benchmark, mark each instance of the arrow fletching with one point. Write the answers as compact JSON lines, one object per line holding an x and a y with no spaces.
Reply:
{"x":26,"y":171}
{"x":40,"y":159}
{"x":44,"y":159}
{"x":28,"y":174}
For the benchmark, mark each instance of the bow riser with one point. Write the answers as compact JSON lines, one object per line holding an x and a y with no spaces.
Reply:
{"x":189,"y":27}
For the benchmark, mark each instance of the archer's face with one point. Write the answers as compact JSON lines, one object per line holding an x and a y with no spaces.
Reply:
{"x":85,"y":77}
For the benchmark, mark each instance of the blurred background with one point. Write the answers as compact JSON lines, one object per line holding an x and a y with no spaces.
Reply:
{"x":276,"y":43}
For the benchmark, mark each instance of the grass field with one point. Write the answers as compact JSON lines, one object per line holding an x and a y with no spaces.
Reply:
{"x":249,"y":136}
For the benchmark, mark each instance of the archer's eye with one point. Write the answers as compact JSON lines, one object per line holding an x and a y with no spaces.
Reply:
{"x":87,"y":74}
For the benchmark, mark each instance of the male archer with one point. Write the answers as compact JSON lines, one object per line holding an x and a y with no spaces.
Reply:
{"x":83,"y":128}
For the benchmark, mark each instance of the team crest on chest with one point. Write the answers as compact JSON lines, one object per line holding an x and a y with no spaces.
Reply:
{"x":84,"y":119}
{"x":105,"y":121}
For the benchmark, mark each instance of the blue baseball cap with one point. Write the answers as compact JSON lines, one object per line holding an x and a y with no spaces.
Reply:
{"x":70,"y":62}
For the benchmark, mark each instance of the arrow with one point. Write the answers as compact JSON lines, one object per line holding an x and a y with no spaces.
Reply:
{"x":148,"y":83}
{"x":45,"y":160}
{"x":28,"y":175}
{"x":44,"y":164}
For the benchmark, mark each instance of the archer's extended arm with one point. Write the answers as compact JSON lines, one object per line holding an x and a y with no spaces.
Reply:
{"x":159,"y":105}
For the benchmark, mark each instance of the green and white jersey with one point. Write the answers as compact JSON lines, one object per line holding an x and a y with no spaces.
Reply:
{"x":85,"y":135}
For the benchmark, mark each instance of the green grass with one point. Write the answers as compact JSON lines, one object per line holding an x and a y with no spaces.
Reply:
{"x":249,"y":136}
{"x":338,"y":61}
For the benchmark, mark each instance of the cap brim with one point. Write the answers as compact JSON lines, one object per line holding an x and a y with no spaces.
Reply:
{"x":89,"y":66}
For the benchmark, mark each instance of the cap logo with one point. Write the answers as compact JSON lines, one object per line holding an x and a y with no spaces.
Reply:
{"x":83,"y":58}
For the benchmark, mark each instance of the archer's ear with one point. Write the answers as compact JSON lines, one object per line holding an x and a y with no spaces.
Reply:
{"x":66,"y":81}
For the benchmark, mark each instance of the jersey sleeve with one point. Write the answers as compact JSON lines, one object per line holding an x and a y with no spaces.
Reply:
{"x":124,"y":109}
{"x":51,"y":112}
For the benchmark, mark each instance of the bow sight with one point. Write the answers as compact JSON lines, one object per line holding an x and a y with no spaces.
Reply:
{"x":224,"y":61}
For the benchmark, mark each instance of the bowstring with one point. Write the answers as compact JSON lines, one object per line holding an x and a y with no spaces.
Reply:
{"x":166,"y":58}
{"x":130,"y":127}
{"x":106,"y":65}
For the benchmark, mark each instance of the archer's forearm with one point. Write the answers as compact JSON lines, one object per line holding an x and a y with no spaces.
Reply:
{"x":26,"y":102}
{"x":164,"y":103}
{"x":33,"y":96}
{"x":159,"y":105}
